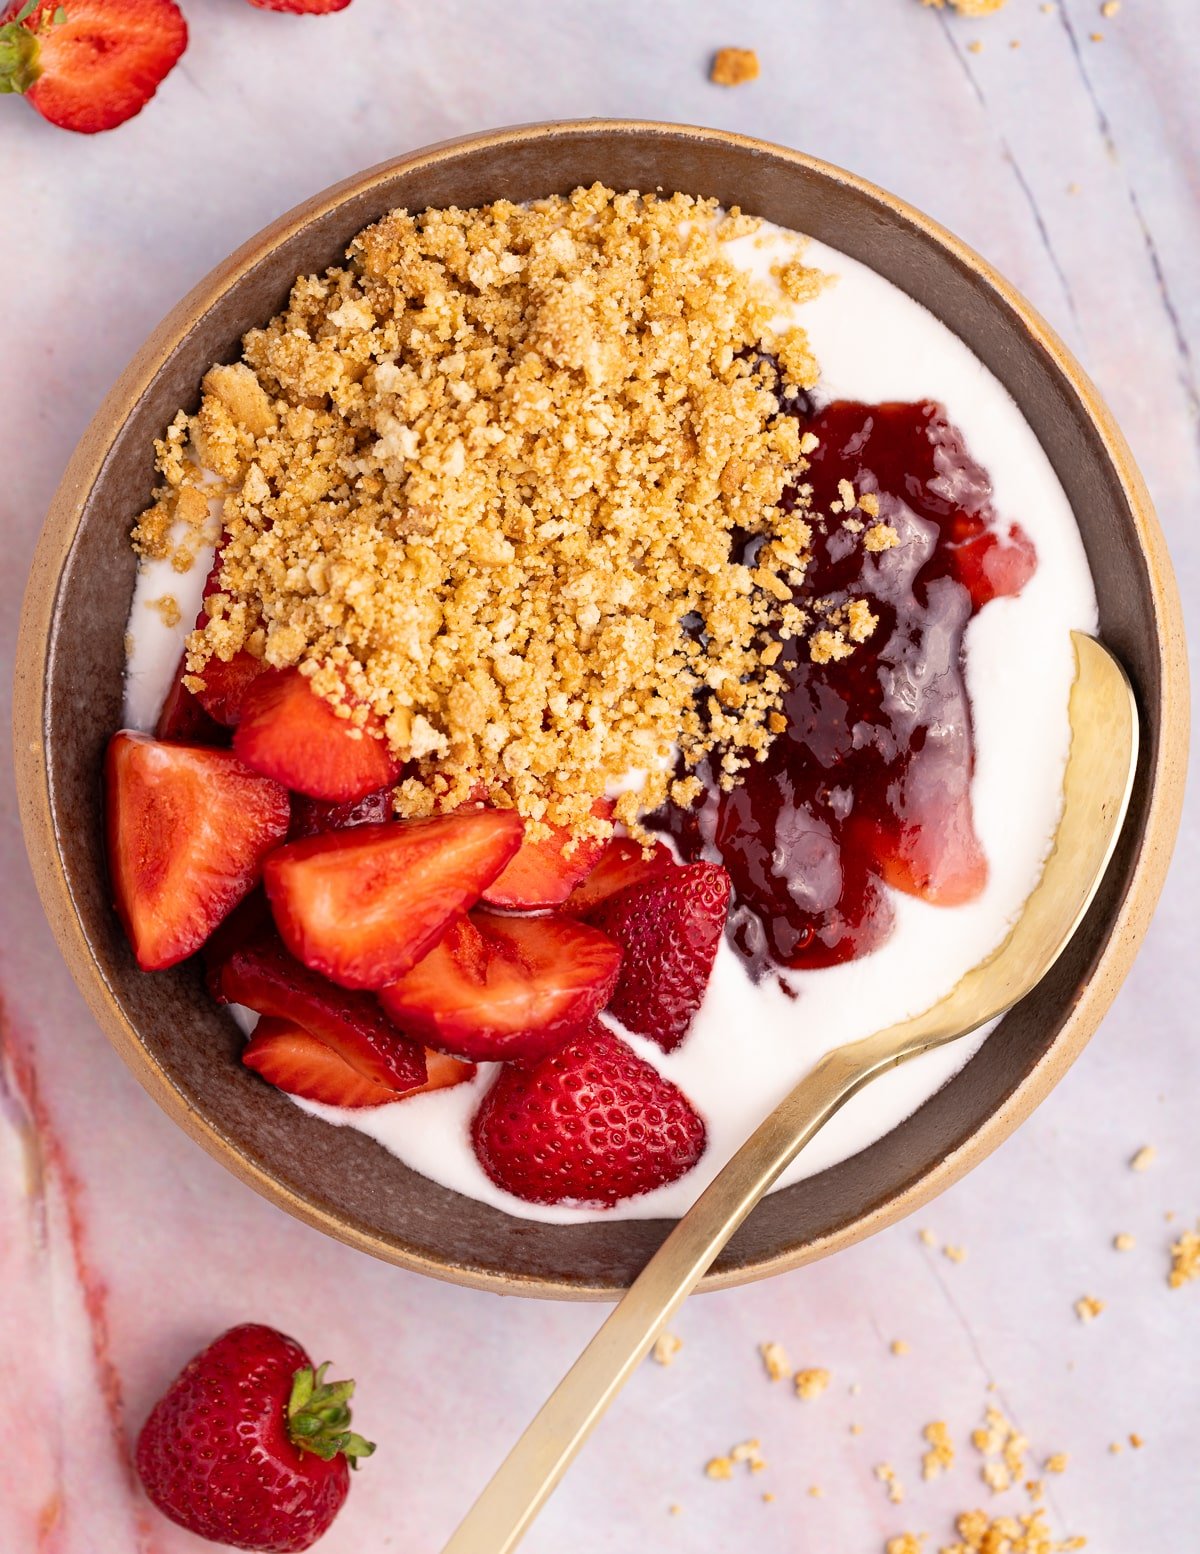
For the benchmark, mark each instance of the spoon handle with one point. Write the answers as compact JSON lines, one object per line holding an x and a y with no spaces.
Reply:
{"x":532,"y":1469}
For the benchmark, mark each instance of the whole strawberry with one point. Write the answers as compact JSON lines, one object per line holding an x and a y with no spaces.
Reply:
{"x":592,"y":1123}
{"x":249,"y":1445}
{"x":670,"y":928}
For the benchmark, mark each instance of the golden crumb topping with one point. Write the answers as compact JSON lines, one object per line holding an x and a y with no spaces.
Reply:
{"x":811,"y":1383}
{"x":1088,"y":1308}
{"x":734,"y":67}
{"x":1185,"y":1259}
{"x":940,"y":1456}
{"x":775,"y":1361}
{"x":482,"y":482}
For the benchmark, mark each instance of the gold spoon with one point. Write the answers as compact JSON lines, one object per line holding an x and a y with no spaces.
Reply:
{"x":1096,"y":787}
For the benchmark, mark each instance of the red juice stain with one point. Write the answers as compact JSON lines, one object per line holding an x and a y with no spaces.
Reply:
{"x":869,"y":785}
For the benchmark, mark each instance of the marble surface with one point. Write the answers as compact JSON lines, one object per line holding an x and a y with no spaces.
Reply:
{"x":1074,"y":165}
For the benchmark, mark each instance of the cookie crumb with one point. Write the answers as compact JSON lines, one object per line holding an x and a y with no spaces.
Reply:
{"x":166,"y":606}
{"x":905,"y":1543}
{"x":927,"y":1237}
{"x":1110,"y":8}
{"x":940,"y":1456}
{"x":734,"y":67}
{"x":666,"y":1347}
{"x":1124,"y":1242}
{"x":898,"y":1346}
{"x":886,"y":1475}
{"x":956,"y":1254}
{"x":811,"y":1383}
{"x":1088,"y":1308}
{"x":968,"y":7}
{"x":1057,"y":1463}
{"x":718,"y":1467}
{"x":1135,"y":1440}
{"x":1185,"y":1260}
{"x":775,"y":1360}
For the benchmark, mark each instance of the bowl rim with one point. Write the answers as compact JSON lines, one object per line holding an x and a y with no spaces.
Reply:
{"x":1125,"y":933}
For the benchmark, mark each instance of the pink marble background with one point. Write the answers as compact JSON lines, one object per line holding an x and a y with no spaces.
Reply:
{"x":1074,"y":166}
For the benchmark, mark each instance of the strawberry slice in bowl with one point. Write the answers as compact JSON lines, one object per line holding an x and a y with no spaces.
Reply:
{"x":189,"y":828}
{"x":286,"y":731}
{"x":590,"y":1124}
{"x":506,"y":988}
{"x":623,"y":862}
{"x":545,"y":872}
{"x":252,"y":967}
{"x":313,"y":817}
{"x":292,"y":1059}
{"x":362,"y":906}
{"x":670,"y":928}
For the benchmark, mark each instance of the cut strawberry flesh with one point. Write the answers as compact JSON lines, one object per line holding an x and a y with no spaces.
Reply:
{"x":288,"y":732}
{"x":226,"y":682}
{"x":363,"y":906}
{"x":256,"y":970}
{"x":505,"y":988}
{"x":669,"y":928}
{"x":314,"y":817}
{"x":591,"y":1123}
{"x":290,"y":1058}
{"x":183,"y":716}
{"x":188,"y":830}
{"x":623,"y":862}
{"x":545,"y":872}
{"x":100,"y":61}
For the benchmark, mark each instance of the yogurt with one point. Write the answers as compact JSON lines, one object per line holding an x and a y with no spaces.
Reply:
{"x":750,"y":1043}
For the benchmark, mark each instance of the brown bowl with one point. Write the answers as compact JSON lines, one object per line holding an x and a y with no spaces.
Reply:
{"x":68,"y":700}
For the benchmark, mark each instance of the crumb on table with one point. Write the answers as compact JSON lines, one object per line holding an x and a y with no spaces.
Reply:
{"x":734,"y":67}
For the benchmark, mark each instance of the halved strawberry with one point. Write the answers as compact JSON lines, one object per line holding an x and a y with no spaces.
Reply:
{"x":188,"y":829}
{"x":506,"y":987}
{"x":226,"y":681}
{"x":182,"y":715}
{"x":669,"y":928}
{"x":545,"y":872}
{"x":256,"y":970}
{"x":289,"y":1058}
{"x":313,"y":817}
{"x":623,"y":862}
{"x":89,"y":65}
{"x":290,"y":733}
{"x":363,"y":906}
{"x":592,"y":1123}
{"x":302,"y":7}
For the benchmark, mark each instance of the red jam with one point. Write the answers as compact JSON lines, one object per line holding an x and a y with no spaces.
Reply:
{"x":869,"y":785}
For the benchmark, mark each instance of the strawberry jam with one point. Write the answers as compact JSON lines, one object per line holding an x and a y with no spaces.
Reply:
{"x":869,"y":784}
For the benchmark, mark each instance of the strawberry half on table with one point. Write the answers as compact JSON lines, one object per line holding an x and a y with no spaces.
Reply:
{"x":188,"y":830}
{"x":250,"y":1446}
{"x":591,"y":1124}
{"x":88,"y":65}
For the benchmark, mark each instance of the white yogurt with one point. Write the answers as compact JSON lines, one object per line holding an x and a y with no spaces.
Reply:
{"x":750,"y":1044}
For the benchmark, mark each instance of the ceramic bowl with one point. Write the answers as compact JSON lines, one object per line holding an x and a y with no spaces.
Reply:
{"x":69,"y":667}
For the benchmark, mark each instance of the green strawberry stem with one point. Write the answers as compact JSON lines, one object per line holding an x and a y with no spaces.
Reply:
{"x":19,"y":67}
{"x":318,"y":1417}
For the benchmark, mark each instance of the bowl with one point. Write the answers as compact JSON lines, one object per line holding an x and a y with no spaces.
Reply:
{"x":68,"y":700}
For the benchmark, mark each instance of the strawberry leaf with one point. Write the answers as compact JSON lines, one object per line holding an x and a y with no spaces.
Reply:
{"x":26,"y":10}
{"x":318,"y":1417}
{"x":19,"y":67}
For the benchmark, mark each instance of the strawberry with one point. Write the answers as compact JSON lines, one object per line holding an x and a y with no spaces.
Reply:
{"x":289,"y":1057}
{"x":670,"y":928}
{"x":363,"y":906}
{"x":250,"y":1446}
{"x":249,"y":965}
{"x":312,"y":817}
{"x":592,"y":1123}
{"x":182,"y":715}
{"x":506,"y":987}
{"x":302,"y":7}
{"x":545,"y":872}
{"x":89,"y":65}
{"x":226,"y":681}
{"x":623,"y":862}
{"x":188,"y":829}
{"x":288,"y":732}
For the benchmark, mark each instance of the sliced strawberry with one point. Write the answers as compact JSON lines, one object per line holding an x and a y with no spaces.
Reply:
{"x":288,"y":732}
{"x":506,"y":987}
{"x":188,"y":829}
{"x":444,"y":1072}
{"x":363,"y":906}
{"x":226,"y":683}
{"x":623,"y":862}
{"x":257,"y":971}
{"x":545,"y":872}
{"x":592,"y":1123}
{"x":669,"y":928}
{"x":182,"y":715}
{"x":292,"y":1060}
{"x":89,"y":65}
{"x":313,"y":817}
{"x":302,"y":7}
